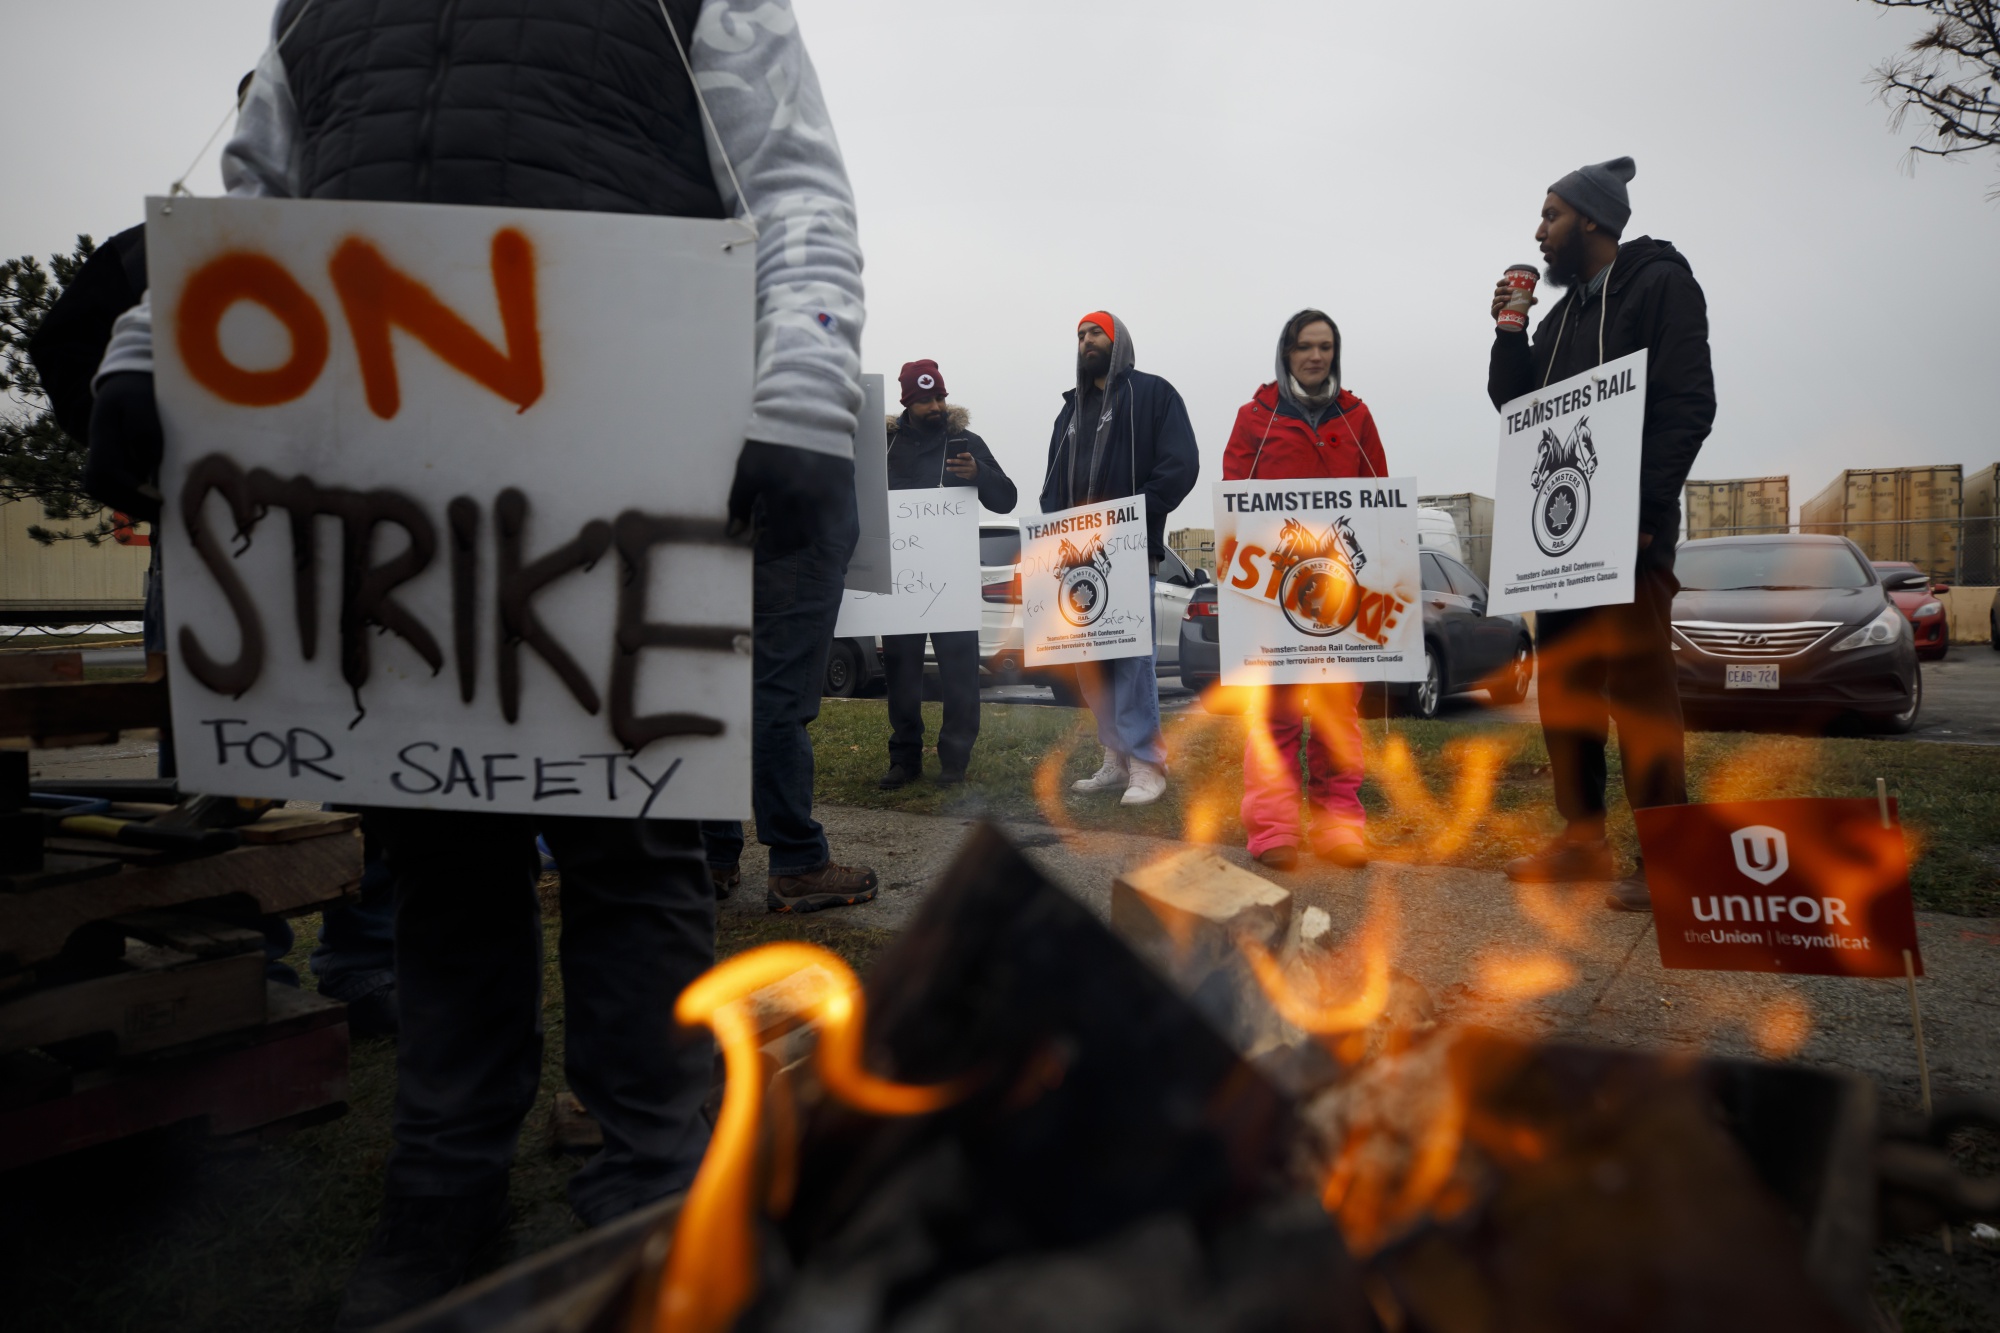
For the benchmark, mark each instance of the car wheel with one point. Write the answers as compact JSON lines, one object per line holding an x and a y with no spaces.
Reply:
{"x":1423,"y":698}
{"x":1512,"y":686}
{"x":844,"y":677}
{"x":1897,"y":723}
{"x":1063,"y":685}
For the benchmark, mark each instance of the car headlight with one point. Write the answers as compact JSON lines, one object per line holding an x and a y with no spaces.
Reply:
{"x":1929,"y":609}
{"x":1880,"y":631}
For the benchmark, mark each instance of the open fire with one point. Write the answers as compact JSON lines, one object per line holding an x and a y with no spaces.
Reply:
{"x":1023,"y":1121}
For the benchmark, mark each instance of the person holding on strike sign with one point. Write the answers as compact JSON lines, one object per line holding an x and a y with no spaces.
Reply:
{"x":1304,"y":424}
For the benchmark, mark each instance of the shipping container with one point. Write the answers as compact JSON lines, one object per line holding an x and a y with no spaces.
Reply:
{"x":1195,"y":546}
{"x":71,"y":581}
{"x":1982,"y":527}
{"x":1902,"y":513}
{"x":1737,"y":506}
{"x":1472,"y":515}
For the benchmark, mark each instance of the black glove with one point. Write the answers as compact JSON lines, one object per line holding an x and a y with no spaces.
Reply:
{"x":123,"y":466}
{"x":789,"y":496}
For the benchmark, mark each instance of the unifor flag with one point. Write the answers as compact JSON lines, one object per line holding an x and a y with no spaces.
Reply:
{"x":1804,"y":885}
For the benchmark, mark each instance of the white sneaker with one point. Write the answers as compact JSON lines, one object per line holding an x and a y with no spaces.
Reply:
{"x":1111,"y":776}
{"x":1149,"y":784}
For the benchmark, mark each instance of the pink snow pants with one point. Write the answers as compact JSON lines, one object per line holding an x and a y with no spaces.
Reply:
{"x":1333,"y":766}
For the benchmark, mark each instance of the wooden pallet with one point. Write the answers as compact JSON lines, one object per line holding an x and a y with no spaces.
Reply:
{"x":156,"y":998}
{"x":290,"y":1069}
{"x":279,"y":879}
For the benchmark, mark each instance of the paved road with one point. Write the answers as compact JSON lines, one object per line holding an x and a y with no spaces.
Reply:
{"x":1961,"y":697}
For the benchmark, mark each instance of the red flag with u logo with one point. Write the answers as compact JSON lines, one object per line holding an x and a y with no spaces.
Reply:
{"x":1805,"y":885}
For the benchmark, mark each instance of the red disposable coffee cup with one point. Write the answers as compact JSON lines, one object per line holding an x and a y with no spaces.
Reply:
{"x":1522,"y":278}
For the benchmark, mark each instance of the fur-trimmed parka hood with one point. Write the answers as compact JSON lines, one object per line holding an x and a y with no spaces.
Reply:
{"x":956,"y":419}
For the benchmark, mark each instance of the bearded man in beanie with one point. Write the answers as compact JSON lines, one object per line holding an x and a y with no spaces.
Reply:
{"x":1122,"y":432}
{"x":929,"y":446}
{"x":1606,"y":663}
{"x":591,"y":105}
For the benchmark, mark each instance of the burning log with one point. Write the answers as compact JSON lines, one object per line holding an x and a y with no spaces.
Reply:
{"x":1497,"y":1184}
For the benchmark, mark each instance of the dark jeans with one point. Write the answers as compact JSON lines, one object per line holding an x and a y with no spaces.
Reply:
{"x":796,"y":602}
{"x":1605,"y":664}
{"x":356,"y":954}
{"x":958,"y":681}
{"x":638,"y":924}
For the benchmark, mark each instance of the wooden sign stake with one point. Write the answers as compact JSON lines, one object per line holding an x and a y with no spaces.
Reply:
{"x":1916,"y":1012}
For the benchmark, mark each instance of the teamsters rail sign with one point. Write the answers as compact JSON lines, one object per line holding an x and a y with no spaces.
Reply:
{"x":1566,"y":500}
{"x":1086,"y":583}
{"x":1318,"y":580}
{"x":445,"y":501}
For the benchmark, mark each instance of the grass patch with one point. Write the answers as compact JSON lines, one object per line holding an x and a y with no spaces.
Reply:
{"x":1417,"y":810}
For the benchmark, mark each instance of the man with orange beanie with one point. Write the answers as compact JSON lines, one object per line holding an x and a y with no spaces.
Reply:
{"x":1122,"y":432}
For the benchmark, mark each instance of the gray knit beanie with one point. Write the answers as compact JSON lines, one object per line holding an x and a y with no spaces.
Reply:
{"x":1598,"y":192}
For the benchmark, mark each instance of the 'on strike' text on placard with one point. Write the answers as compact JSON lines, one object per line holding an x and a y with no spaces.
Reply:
{"x":445,"y":502}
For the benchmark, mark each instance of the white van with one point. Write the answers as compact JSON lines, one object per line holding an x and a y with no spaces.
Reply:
{"x":1437,"y":532}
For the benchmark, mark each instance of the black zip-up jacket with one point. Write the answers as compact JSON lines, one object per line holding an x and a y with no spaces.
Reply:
{"x":1151,"y":452}
{"x":1654,"y":304}
{"x":917,"y":458}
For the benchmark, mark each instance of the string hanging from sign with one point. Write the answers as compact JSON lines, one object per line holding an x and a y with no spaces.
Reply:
{"x":179,"y":187}
{"x":743,"y":214}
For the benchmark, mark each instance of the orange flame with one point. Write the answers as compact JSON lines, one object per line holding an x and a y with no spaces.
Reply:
{"x":1313,"y":1012}
{"x":711,"y":1267}
{"x":1515,"y":977}
{"x":1399,"y":1156}
{"x":1783,"y":1027}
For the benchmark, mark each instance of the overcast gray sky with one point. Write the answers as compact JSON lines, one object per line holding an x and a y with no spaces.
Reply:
{"x":1204,"y":170}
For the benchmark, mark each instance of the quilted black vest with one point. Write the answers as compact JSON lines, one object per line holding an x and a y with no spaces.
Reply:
{"x":573,"y":104}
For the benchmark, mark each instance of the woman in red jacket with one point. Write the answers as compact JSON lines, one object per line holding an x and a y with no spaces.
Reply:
{"x":1304,"y":424}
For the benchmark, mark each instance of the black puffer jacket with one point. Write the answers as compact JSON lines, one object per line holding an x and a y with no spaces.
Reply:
{"x":917,"y":458}
{"x":1655,"y":305}
{"x":577,"y":104}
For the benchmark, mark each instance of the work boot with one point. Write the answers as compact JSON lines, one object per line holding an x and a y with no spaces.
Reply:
{"x":828,"y":886}
{"x":1565,"y":861}
{"x":1111,"y":775}
{"x":951,"y":777}
{"x":421,"y":1248}
{"x":1282,"y":857}
{"x":1630,"y":894}
{"x":374,"y":1013}
{"x":897,"y":778}
{"x":1148,"y":784}
{"x":725,"y":879}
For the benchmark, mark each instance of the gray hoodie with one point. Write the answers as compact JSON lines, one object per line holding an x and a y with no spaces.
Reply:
{"x":1086,"y":452}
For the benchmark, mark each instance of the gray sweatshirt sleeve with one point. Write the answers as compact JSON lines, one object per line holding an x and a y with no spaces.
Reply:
{"x":259,"y":161}
{"x":752,"y":68}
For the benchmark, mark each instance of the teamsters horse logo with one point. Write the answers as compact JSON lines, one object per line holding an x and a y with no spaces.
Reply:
{"x":1562,"y":489}
{"x":1320,"y":592}
{"x":1085,"y":576}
